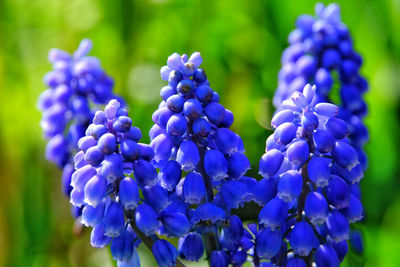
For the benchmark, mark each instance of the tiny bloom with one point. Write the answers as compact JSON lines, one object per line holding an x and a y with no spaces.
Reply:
{"x":164,"y":253}
{"x":274,"y":213}
{"x":290,"y":185}
{"x":91,"y":216}
{"x":146,"y":219}
{"x":338,"y":192}
{"x":345,"y":155}
{"x":302,"y":238}
{"x":128,"y":193}
{"x":114,"y":220}
{"x":226,"y":141}
{"x":170,"y":175}
{"x":156,"y":196}
{"x":176,"y":223}
{"x":194,"y":190}
{"x":98,"y":239}
{"x":316,"y":208}
{"x":298,"y":153}
{"x":337,"y":128}
{"x":215,"y":164}
{"x":95,"y":190}
{"x":238,"y":165}
{"x":219,"y":259}
{"x":268,"y":243}
{"x":338,"y":226}
{"x":191,"y":247}
{"x":319,"y":171}
{"x":270,"y":163}
{"x":145,"y":173}
{"x":285,"y":133}
{"x":188,"y":155}
{"x":326,"y":256}
{"x":122,"y":246}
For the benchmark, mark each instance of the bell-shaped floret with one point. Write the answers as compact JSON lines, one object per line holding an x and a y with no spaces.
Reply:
{"x":338,"y":192}
{"x":95,"y":190}
{"x":234,"y":233}
{"x":270,"y":163}
{"x":338,"y":226}
{"x":170,"y":175}
{"x":146,"y":219}
{"x":156,"y":196}
{"x":92,"y":215}
{"x":226,"y":141}
{"x":188,"y":155}
{"x":354,"y":212}
{"x":176,"y":223}
{"x":128,"y":193}
{"x":162,"y":145}
{"x":285,"y":133}
{"x":316,"y":208}
{"x":319,"y":171}
{"x":298,"y":153}
{"x":177,"y":125}
{"x":98,"y":238}
{"x":114,"y":220}
{"x":323,"y":141}
{"x":164,"y":253}
{"x":345,"y":155}
{"x":145,"y":173}
{"x":302,"y":238}
{"x":208,"y":212}
{"x":81,"y":176}
{"x":219,"y":259}
{"x":215,"y":112}
{"x":191,"y":247}
{"x":122,"y":246}
{"x":215,"y":164}
{"x":194,"y":190}
{"x":274,"y":213}
{"x":111,"y":168}
{"x":326,"y":256}
{"x":290,"y":185}
{"x":268,"y":243}
{"x":107,"y":143}
{"x":238,"y":165}
{"x":337,"y":128}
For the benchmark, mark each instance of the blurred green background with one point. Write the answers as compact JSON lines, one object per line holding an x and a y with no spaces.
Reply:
{"x":241,"y":43}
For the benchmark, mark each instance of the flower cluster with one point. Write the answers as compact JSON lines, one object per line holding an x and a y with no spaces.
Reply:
{"x":321,"y":52}
{"x":76,"y":83}
{"x":316,"y":171}
{"x":103,"y":185}
{"x":188,"y":182}
{"x":191,"y":135}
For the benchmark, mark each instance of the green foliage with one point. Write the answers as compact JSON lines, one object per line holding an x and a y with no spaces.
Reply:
{"x":241,"y":43}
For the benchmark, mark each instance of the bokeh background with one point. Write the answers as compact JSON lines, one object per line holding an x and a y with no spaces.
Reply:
{"x":241,"y":43}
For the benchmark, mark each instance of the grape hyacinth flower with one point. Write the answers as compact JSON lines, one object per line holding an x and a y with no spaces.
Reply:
{"x":189,"y":182}
{"x":321,"y":52}
{"x":197,"y":153}
{"x":112,"y":168}
{"x":315,"y":169}
{"x":76,"y":85}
